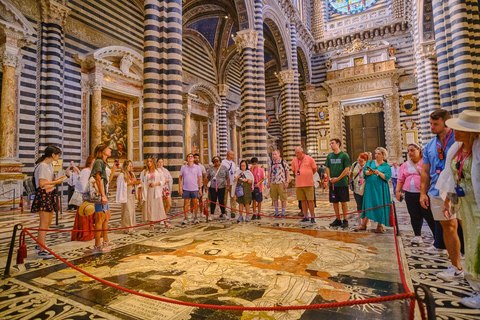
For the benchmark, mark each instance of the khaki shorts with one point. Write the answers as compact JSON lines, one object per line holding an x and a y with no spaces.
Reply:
{"x":436,"y":205}
{"x":305,"y":193}
{"x":277,"y":190}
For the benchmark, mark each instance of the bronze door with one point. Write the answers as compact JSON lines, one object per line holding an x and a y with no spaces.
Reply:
{"x":365,"y":132}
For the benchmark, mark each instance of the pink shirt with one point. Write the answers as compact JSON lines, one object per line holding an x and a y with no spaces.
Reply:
{"x":258,"y":174}
{"x":409,"y":176}
{"x":305,"y":168}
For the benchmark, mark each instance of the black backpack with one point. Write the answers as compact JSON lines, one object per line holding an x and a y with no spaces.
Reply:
{"x":281,"y":162}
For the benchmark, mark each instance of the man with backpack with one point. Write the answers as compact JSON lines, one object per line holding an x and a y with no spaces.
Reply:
{"x":278,"y":175}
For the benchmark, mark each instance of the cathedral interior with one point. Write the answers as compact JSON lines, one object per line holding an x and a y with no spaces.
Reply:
{"x":165,"y":78}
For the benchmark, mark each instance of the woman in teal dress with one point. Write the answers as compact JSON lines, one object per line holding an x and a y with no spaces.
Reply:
{"x":377,"y":193}
{"x":460,"y":183}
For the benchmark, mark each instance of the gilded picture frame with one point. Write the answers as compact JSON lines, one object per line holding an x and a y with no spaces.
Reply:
{"x":408,"y":103}
{"x":322,"y":114}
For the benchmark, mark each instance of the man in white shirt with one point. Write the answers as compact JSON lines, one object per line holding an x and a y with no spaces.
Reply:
{"x":230,"y":192}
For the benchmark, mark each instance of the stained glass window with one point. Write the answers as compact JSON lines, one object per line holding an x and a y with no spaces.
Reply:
{"x":351,"y":6}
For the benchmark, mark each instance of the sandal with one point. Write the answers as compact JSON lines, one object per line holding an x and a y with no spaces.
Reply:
{"x":168,"y":225}
{"x":360,"y":228}
{"x":151,"y":228}
{"x":108,"y":244}
{"x":379,"y":230}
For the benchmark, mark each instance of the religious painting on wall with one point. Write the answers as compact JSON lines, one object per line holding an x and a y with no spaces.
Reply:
{"x":196,"y":136}
{"x":114,"y":126}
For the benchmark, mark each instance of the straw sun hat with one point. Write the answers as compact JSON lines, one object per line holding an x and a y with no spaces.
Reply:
{"x":86,"y":209}
{"x":468,"y":121}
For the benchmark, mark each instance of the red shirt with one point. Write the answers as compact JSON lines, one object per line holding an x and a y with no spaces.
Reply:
{"x":258,"y":175}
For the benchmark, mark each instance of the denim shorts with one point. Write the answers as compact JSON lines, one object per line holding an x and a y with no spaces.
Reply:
{"x":189,"y":194}
{"x":100,"y":207}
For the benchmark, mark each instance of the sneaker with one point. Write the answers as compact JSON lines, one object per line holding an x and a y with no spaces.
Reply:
{"x":433,"y":250}
{"x":312,"y":220}
{"x":45,"y":254}
{"x":452,"y":273}
{"x":336,"y":223}
{"x":472,"y":302}
{"x":345,"y":224}
{"x":305,"y":220}
{"x":101,"y":249}
{"x":195,"y":221}
{"x":259,"y":217}
{"x":223,"y":216}
{"x":210,"y":218}
{"x":416,"y":241}
{"x":185,"y":222}
{"x":247,"y":219}
{"x":283,"y":215}
{"x":37,"y":249}
{"x":276,"y":215}
{"x":254,"y":217}
{"x":240,"y":219}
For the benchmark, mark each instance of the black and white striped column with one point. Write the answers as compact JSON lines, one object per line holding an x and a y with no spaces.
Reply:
{"x":222,"y":121}
{"x":52,"y":74}
{"x":456,"y":30}
{"x":162,"y":83}
{"x":290,"y":114}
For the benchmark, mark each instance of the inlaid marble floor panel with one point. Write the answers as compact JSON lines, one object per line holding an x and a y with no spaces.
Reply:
{"x":261,"y":263}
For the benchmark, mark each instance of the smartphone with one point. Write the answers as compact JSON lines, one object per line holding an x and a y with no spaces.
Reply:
{"x":369,"y":168}
{"x":72,"y":163}
{"x":117,"y":163}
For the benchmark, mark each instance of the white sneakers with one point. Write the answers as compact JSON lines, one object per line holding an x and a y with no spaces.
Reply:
{"x":416,"y":241}
{"x":452,"y":273}
{"x":433,"y":250}
{"x":472,"y":302}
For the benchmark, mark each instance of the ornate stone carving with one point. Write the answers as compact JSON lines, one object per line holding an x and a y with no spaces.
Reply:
{"x":362,"y":108}
{"x":309,"y":95}
{"x":55,"y":12}
{"x":335,"y":111}
{"x":358,"y":45}
{"x":9,"y":59}
{"x":393,"y":127}
{"x":408,"y":103}
{"x":427,"y":50}
{"x":286,"y":77}
{"x":246,"y":39}
{"x":125,"y":63}
{"x":223,"y":89}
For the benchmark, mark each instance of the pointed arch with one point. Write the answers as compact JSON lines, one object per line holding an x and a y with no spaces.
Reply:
{"x":305,"y":62}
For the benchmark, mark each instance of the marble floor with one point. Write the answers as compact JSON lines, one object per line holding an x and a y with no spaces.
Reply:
{"x":267,"y":262}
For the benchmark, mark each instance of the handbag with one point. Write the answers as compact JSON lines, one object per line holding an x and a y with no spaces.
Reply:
{"x":361,"y":190}
{"x":239,"y":191}
{"x":77,"y":199}
{"x":92,"y":194}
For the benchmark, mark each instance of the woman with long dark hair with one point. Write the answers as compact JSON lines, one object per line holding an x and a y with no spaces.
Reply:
{"x":102,"y":210}
{"x":45,"y":196}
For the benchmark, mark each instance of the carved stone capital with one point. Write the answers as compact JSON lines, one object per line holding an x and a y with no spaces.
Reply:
{"x":187,"y":111}
{"x":286,"y":77}
{"x":427,"y":50}
{"x":223,"y":89}
{"x":54,"y":11}
{"x":309,"y":95}
{"x":9,"y":59}
{"x":95,"y":80}
{"x":246,"y":39}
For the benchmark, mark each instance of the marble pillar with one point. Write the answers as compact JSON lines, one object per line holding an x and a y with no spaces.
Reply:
{"x":393,"y":134}
{"x":312,"y":142}
{"x":222,"y":121}
{"x":11,"y":176}
{"x":96,"y":113}
{"x":290,"y":114}
{"x":214,"y":135}
{"x":187,"y":113}
{"x":335,"y":110}
{"x":317,"y":20}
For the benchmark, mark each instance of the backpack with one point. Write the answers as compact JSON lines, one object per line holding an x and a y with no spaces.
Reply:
{"x":29,"y":185}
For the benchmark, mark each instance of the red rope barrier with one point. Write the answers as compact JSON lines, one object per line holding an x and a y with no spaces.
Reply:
{"x":237,"y":308}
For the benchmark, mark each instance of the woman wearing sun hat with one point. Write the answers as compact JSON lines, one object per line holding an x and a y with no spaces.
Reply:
{"x":459,"y":185}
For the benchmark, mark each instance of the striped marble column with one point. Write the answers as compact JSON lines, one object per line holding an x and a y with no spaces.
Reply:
{"x":290,"y":114}
{"x":222,"y":121}
{"x":456,"y":25}
{"x":162,"y":84}
{"x":312,"y":127}
{"x":52,"y":73}
{"x":246,"y":41}
{"x":318,"y":25}
{"x":428,"y":91}
{"x":261,"y":111}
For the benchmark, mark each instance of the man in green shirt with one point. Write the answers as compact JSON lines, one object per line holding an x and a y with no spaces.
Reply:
{"x":337,"y":168}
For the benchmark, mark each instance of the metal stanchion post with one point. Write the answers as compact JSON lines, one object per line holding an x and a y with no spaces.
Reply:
{"x":396,"y":218}
{"x":425,"y":296}
{"x":10,"y":250}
